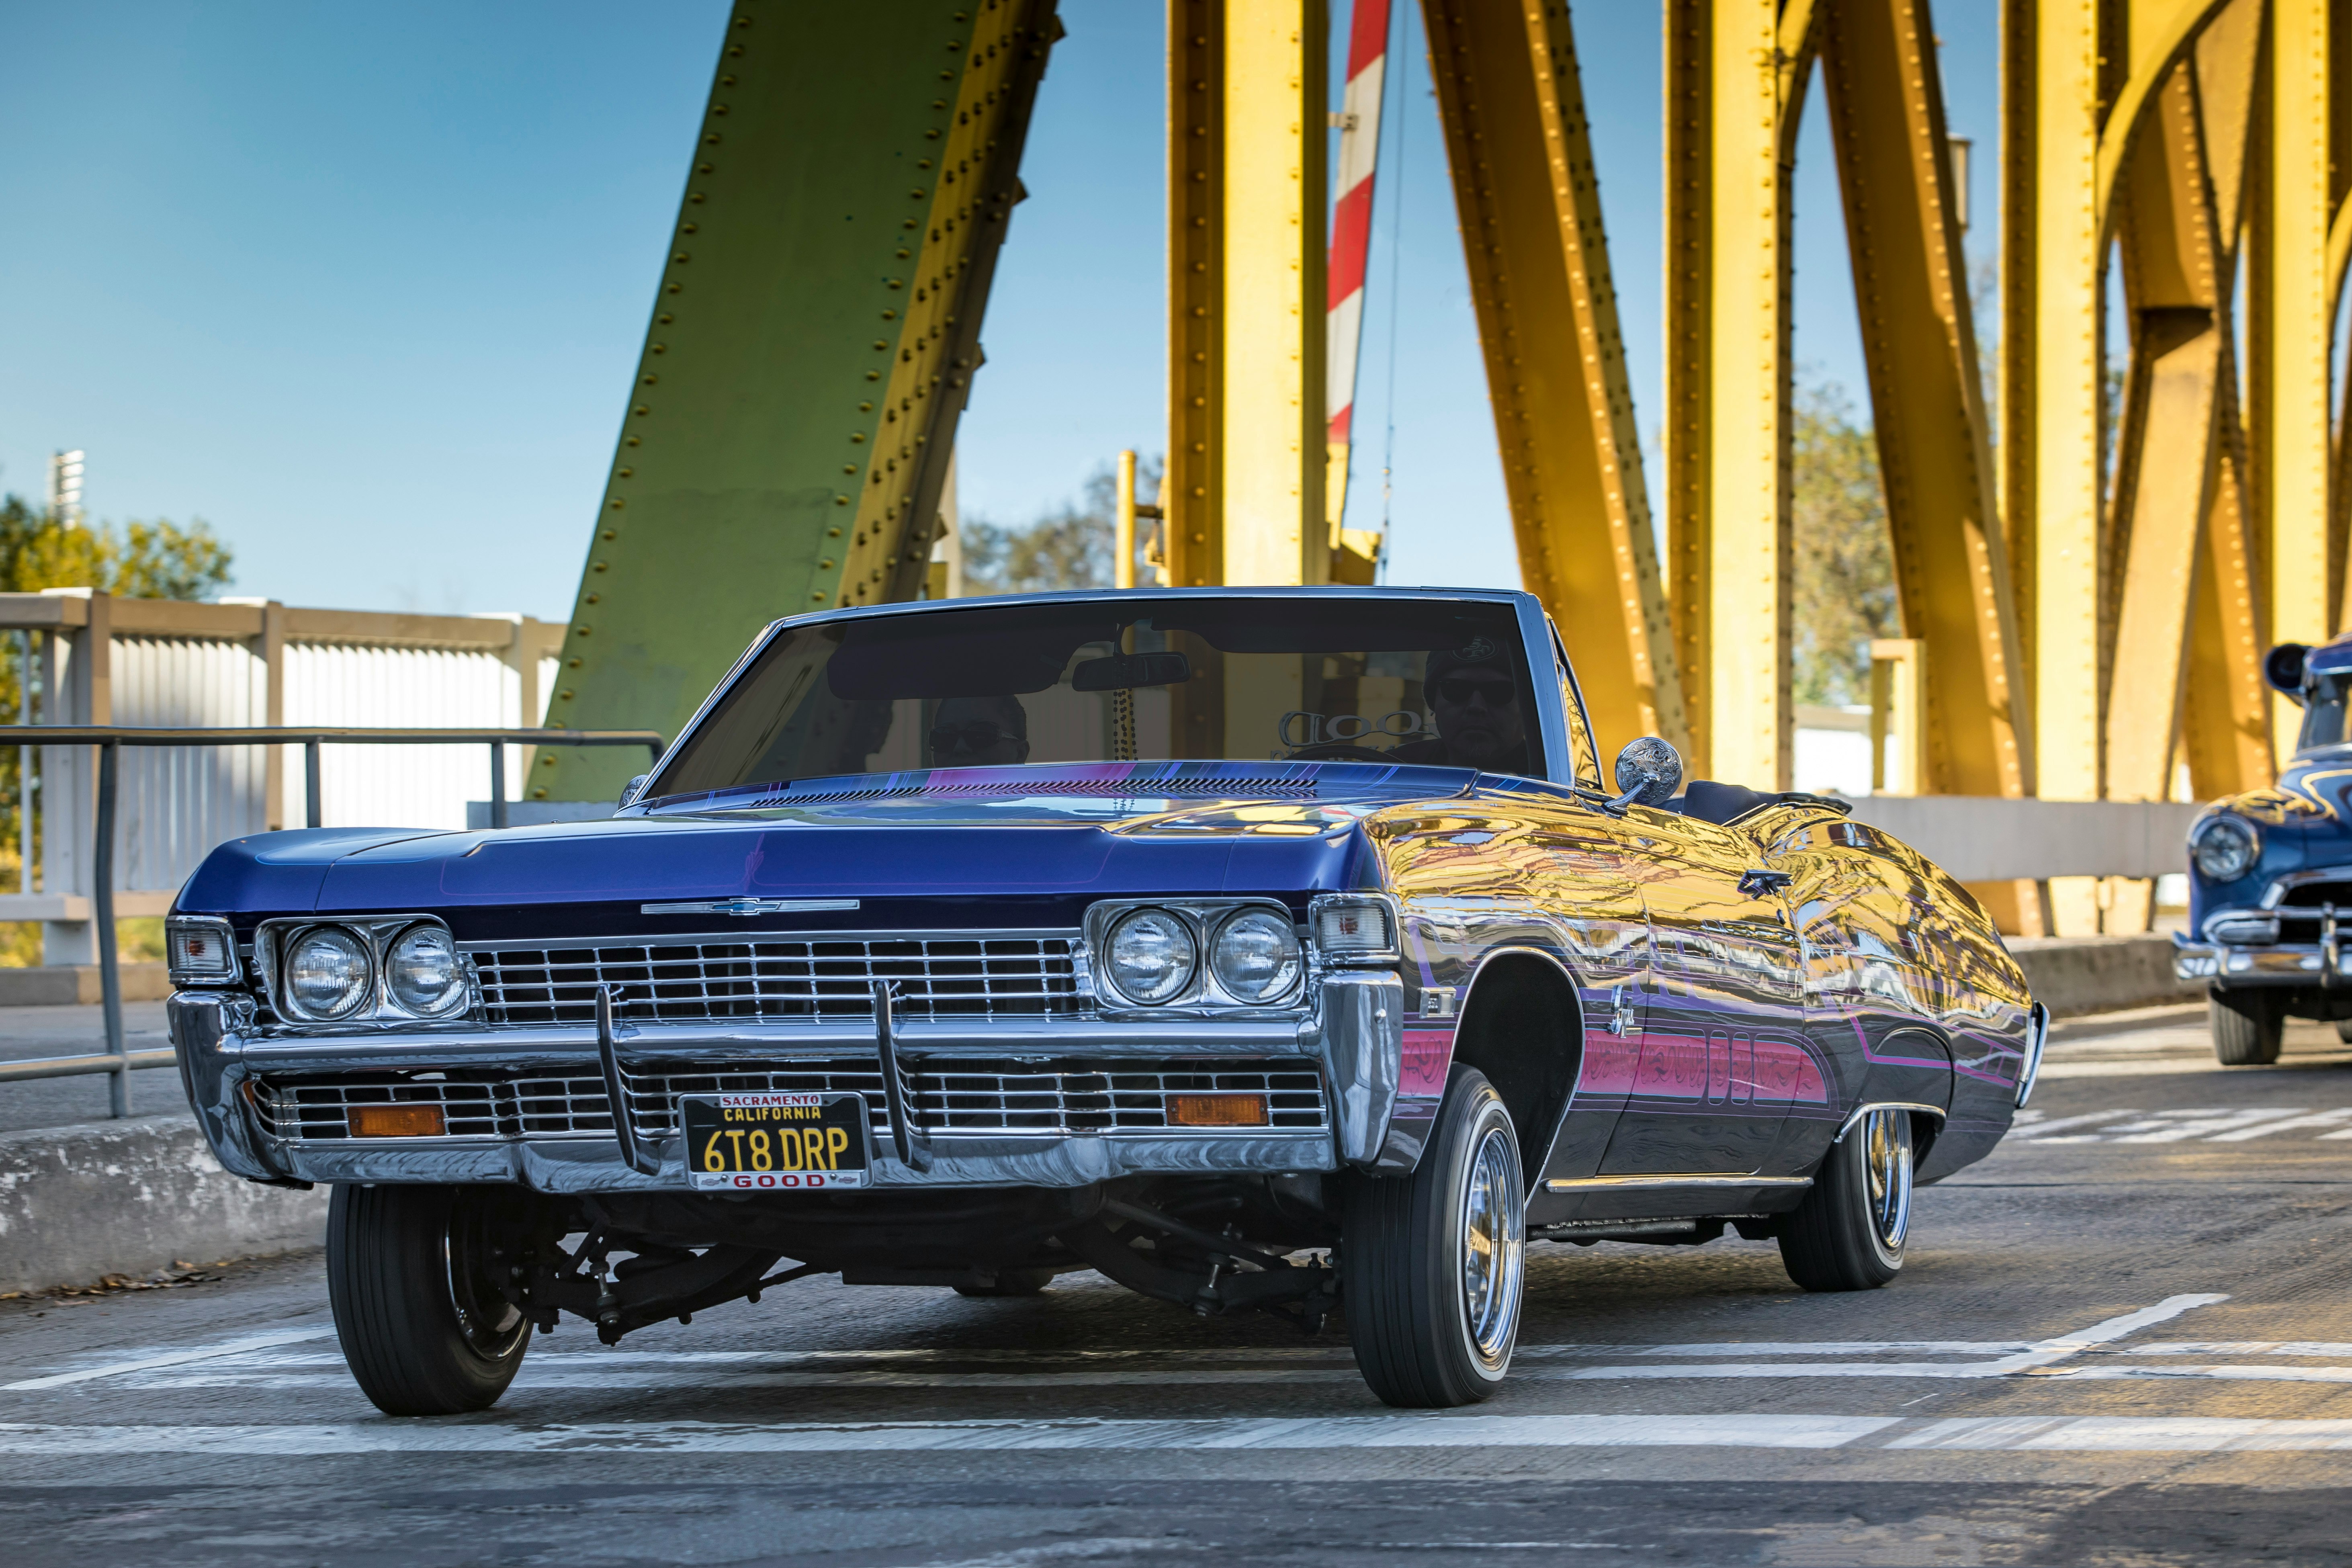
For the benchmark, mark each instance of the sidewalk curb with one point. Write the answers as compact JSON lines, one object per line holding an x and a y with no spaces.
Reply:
{"x":128,"y":1197}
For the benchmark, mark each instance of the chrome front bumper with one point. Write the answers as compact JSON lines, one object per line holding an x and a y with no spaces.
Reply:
{"x":1352,"y":1034}
{"x":2305,"y":964}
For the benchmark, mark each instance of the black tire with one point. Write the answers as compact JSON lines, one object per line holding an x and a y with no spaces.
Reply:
{"x":2343,"y":1030}
{"x":415,"y":1303}
{"x":1010,"y":1282}
{"x":2247,"y":1026}
{"x":1433,"y":1311}
{"x":1849,"y":1233}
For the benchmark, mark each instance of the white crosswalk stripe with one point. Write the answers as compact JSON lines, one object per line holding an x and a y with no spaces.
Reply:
{"x":2202,"y":1123}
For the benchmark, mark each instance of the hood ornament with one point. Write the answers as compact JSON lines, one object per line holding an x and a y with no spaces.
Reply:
{"x":746,"y":906}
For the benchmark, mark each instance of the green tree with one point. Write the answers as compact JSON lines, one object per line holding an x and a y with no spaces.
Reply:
{"x":1068,"y":547}
{"x":1845,"y":587}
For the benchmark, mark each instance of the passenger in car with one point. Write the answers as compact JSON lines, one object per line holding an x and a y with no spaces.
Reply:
{"x":980,"y":732}
{"x":1475,"y":699}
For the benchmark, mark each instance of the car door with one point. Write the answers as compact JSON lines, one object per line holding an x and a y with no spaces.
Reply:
{"x":1591,"y":891}
{"x":1723,"y":1051}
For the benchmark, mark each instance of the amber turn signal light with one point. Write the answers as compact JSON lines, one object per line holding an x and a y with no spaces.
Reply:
{"x":396,"y":1120}
{"x":1217,"y":1110}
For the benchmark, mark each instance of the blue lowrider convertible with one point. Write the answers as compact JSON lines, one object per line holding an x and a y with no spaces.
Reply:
{"x":1276,"y":948}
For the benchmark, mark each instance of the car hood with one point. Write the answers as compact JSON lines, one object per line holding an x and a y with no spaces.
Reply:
{"x":1016,"y":832}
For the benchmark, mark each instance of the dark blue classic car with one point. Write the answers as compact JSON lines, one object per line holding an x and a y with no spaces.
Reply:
{"x":1277,"y":949}
{"x":2269,"y":872}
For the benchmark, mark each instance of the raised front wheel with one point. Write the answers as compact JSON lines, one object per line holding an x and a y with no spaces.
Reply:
{"x":1434,"y":1264}
{"x":413,"y":1276}
{"x":1849,"y":1232}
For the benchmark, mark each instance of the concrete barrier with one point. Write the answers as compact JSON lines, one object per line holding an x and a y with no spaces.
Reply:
{"x":128,"y":1197}
{"x":76,"y":984}
{"x":2076,"y":974}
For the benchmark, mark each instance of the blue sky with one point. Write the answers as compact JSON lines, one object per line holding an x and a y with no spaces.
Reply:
{"x":363,"y":287}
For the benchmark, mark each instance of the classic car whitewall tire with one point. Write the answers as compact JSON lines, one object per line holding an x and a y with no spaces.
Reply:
{"x":1433,"y":1267}
{"x":2249,"y":1026}
{"x":421,"y":1323}
{"x":1849,"y":1232}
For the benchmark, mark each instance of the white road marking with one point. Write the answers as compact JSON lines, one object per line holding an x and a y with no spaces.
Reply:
{"x":2120,"y":1433}
{"x":173,"y":1358}
{"x":612,"y":1372}
{"x":2099,"y":1433}
{"x":2321,"y":1119}
{"x":458,"y":1436}
{"x":2038,"y":1129}
{"x":2178,"y":1126}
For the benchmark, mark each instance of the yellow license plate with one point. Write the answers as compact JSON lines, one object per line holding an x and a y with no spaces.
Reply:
{"x":774,"y":1143}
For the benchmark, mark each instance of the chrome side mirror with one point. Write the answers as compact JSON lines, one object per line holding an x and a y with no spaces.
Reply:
{"x":629,"y":790}
{"x":1649,"y":770}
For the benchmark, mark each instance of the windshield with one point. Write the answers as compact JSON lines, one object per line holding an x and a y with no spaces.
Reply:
{"x":1138,"y":680}
{"x":2322,"y":713}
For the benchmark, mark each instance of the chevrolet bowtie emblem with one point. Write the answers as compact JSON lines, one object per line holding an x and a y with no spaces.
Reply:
{"x":746,"y":906}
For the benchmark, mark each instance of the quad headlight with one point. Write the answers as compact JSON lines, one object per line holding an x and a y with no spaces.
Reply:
{"x":380,"y":970}
{"x":1186,"y":954}
{"x":423,"y":972}
{"x":1256,"y":956}
{"x":2224,"y":847}
{"x":328,"y":972}
{"x":1150,"y":955}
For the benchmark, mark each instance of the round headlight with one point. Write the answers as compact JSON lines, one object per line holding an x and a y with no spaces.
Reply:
{"x":327,"y":974}
{"x":423,"y":972}
{"x":1150,"y":957}
{"x":1256,"y":955}
{"x":2225,"y":848}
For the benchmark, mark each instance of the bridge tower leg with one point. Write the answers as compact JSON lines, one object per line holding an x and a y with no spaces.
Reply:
{"x":815,"y":328}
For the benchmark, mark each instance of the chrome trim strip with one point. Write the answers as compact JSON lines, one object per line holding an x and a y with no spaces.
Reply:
{"x":1862,"y":1110}
{"x":1629,"y":1184}
{"x":748,"y":907}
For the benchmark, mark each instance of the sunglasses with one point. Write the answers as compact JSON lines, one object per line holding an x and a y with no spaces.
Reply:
{"x":1457,"y":690}
{"x":975,"y":737}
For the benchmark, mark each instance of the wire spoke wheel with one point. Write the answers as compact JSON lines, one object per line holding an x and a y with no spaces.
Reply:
{"x":1493,"y":1246}
{"x":1886,"y":1166}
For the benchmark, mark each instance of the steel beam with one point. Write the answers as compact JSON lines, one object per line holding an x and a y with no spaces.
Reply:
{"x":815,"y":327}
{"x":1246,"y":133}
{"x":1736,"y":73}
{"x":1276,"y":131}
{"x":2289,"y":332}
{"x":1910,"y":272}
{"x":2176,"y":229}
{"x":2053,"y":57}
{"x":1529,"y":200}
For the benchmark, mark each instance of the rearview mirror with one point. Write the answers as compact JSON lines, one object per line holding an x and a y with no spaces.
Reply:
{"x":629,"y":790}
{"x":1123,"y":671}
{"x":1649,"y":770}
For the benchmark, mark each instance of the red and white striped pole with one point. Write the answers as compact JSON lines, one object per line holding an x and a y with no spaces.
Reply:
{"x":1351,"y":240}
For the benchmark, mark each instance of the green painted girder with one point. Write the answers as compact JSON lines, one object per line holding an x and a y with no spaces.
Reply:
{"x":789,"y":428}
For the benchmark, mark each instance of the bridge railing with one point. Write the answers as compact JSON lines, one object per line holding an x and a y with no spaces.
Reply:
{"x":108,"y":739}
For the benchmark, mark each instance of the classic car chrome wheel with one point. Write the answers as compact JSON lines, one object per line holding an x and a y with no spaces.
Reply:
{"x":413,"y":1276}
{"x":1433,"y":1265}
{"x":1849,"y":1232}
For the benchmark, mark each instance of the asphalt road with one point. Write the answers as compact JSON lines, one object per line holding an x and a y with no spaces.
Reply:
{"x":2123,"y":1339}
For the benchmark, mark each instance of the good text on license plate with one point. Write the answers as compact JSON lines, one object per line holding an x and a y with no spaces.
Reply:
{"x":774,"y":1143}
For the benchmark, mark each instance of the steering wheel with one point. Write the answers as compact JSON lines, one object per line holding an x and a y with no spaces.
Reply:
{"x":1337,"y":751}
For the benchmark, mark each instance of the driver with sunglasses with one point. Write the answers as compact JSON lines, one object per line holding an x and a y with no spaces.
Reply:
{"x":1474,"y":696}
{"x":980,"y":732}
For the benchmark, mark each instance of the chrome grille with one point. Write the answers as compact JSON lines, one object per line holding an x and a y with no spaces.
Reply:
{"x":968,"y":1097}
{"x":782,"y":977}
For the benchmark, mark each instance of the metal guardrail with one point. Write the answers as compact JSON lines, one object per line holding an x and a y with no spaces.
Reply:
{"x":109,"y":739}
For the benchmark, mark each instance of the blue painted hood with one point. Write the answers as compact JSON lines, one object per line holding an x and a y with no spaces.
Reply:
{"x":1024,"y":839}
